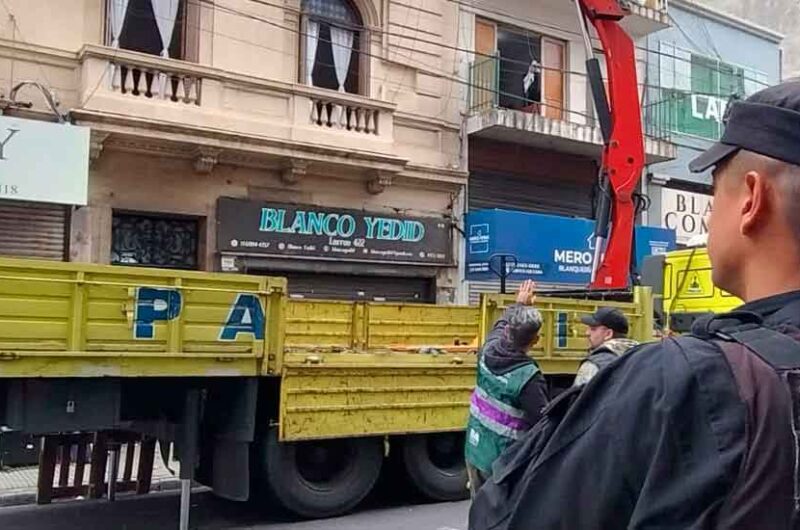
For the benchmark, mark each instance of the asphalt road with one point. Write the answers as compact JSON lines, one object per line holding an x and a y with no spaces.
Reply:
{"x":159,"y":511}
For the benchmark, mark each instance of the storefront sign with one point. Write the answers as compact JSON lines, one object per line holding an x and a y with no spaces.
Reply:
{"x":43,"y":162}
{"x":305,"y":231}
{"x":685,"y":212}
{"x":708,"y":108}
{"x":547,"y":248}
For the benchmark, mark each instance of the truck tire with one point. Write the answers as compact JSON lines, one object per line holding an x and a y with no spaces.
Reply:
{"x":321,"y":478}
{"x":435,"y":464}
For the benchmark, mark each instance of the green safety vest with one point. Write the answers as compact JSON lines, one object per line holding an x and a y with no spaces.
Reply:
{"x":495,"y":418}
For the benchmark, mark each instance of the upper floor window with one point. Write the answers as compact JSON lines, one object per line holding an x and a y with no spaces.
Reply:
{"x":694,"y":90}
{"x":156,"y":27}
{"x":517,"y":69}
{"x":331,"y":36}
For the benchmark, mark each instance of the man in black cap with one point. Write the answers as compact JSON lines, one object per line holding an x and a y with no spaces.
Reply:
{"x":700,"y":431}
{"x":607,"y":332}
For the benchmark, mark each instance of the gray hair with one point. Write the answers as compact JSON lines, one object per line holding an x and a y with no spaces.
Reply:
{"x":524,"y":323}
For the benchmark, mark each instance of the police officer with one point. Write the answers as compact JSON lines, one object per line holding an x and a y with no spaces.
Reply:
{"x":607,"y":332}
{"x":510,"y":392}
{"x":696,"y":432}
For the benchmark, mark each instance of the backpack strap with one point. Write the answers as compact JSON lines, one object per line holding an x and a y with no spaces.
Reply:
{"x":776,"y":349}
{"x":782,"y":353}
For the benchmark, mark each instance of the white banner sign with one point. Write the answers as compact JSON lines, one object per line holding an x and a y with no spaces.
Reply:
{"x":685,"y":212}
{"x":43,"y":162}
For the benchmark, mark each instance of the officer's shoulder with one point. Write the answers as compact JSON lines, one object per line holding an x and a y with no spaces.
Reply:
{"x":672,"y":354}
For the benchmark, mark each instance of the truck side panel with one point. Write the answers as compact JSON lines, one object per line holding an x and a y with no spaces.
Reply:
{"x":396,"y":368}
{"x":369,"y":394}
{"x":562,"y":341}
{"x":355,"y":369}
{"x":74,"y":320}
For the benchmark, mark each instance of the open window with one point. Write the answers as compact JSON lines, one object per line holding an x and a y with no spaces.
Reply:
{"x":155,"y":27}
{"x":524,"y":70}
{"x":331,"y":37}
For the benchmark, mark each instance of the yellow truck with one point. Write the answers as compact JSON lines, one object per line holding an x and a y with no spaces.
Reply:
{"x":683,"y":289}
{"x":261,"y":394}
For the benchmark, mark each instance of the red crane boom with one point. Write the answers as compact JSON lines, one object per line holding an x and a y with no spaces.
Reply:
{"x":623,"y":152}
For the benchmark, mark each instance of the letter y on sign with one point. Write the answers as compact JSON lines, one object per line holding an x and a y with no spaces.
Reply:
{"x":9,"y":136}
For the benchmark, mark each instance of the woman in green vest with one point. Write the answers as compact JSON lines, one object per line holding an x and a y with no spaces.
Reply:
{"x":510,"y":392}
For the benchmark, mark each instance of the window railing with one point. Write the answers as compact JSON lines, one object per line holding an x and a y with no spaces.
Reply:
{"x":165,"y":87}
{"x":342,"y":114}
{"x":484,"y":82}
{"x":658,"y":112}
{"x":657,"y":5}
{"x":155,"y":82}
{"x":671,"y":112}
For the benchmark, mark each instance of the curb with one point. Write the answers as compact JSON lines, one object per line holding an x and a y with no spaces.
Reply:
{"x":28,"y":497}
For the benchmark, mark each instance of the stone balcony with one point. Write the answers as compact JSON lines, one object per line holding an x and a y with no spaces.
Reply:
{"x":190,"y":108}
{"x":515,"y":126}
{"x":646,"y":16}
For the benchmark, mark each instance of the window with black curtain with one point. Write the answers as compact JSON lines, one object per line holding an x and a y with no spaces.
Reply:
{"x":140,"y":32}
{"x":324,"y":73}
{"x":332,"y":40}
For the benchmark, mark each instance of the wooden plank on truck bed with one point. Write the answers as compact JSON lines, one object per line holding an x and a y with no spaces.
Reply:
{"x":83,"y":320}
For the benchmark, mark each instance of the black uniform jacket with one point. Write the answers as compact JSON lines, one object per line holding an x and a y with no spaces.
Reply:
{"x":681,"y":434}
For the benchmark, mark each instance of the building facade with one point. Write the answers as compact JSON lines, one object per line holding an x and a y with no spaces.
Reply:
{"x":694,"y":68}
{"x":782,"y":16}
{"x":534,"y":145}
{"x":314,"y":139}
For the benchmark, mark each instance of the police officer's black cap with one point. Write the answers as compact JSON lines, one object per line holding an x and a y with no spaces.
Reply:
{"x":767,"y":123}
{"x":609,"y":317}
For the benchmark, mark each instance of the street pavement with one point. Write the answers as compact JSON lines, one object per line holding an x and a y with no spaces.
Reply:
{"x":159,"y":511}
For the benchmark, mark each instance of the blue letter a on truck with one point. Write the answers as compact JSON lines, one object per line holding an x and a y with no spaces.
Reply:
{"x":154,"y":305}
{"x":246,"y":316}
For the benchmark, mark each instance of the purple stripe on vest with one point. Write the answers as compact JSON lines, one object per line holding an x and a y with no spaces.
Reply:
{"x":497,"y":415}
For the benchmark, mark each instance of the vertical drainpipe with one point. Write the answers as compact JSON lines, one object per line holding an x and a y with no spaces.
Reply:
{"x":461,"y":203}
{"x":460,"y":210}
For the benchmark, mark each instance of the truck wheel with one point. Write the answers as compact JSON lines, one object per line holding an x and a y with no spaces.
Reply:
{"x":322,"y":478}
{"x":435,"y":465}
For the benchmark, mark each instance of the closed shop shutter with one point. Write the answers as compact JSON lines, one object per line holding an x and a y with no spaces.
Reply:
{"x":33,"y":230}
{"x":368,"y":288}
{"x":493,"y":287}
{"x":490,"y":189}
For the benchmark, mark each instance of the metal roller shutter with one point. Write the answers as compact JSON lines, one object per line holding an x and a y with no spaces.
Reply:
{"x":493,"y":287}
{"x":490,"y":189}
{"x":368,"y":288}
{"x":33,"y":230}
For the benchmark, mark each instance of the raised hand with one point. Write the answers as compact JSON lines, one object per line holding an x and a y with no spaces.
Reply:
{"x":527,"y":293}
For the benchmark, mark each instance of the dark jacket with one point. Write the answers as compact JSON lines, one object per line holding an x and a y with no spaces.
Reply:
{"x":682,"y":434}
{"x":501,"y":358}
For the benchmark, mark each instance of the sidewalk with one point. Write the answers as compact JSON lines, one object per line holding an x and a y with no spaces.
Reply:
{"x":18,"y":485}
